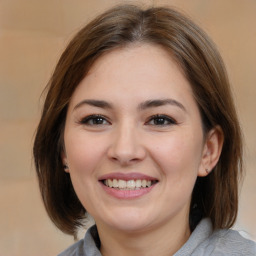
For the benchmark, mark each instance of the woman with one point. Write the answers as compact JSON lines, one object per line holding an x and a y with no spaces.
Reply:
{"x":140,"y":131}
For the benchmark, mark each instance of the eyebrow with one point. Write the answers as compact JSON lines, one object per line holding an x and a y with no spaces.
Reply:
{"x":94,"y":103}
{"x":142,"y":106}
{"x":161,"y":102}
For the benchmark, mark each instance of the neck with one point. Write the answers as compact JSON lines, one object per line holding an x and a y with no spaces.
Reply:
{"x":164,"y":240}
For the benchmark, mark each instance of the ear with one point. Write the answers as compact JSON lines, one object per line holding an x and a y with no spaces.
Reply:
{"x":64,"y":161}
{"x":211,"y":151}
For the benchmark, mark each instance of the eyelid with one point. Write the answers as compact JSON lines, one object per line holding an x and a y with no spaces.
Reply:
{"x":86,"y":119}
{"x":171,"y":120}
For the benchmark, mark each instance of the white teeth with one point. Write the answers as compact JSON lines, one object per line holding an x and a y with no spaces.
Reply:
{"x":138,"y":183}
{"x":122,"y":184}
{"x":109,"y":183}
{"x":115,"y":183}
{"x":144,"y":183}
{"x":130,"y":184}
{"x":127,"y":185}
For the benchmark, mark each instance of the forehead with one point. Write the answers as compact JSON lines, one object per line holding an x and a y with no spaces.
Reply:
{"x":141,"y":70}
{"x":140,"y":57}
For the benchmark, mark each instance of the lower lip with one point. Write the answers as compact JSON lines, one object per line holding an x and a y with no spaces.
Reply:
{"x":127,"y":194}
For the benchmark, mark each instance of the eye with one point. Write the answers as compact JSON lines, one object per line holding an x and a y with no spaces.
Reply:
{"x":161,"y":120}
{"x":94,"y":120}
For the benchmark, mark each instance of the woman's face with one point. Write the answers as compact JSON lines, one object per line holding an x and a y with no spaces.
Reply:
{"x":133,"y":140}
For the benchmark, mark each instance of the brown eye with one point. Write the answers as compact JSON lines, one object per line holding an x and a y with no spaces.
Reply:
{"x":161,"y":120}
{"x":95,"y":120}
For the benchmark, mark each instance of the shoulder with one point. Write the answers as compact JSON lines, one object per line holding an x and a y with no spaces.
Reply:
{"x":74,"y":250}
{"x":84,"y":247}
{"x":230,"y":242}
{"x":223,"y":242}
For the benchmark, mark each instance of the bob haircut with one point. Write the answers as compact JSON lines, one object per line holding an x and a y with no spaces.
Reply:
{"x":214,"y":196}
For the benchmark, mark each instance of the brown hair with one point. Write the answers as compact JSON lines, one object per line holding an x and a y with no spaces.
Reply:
{"x":216,"y":196}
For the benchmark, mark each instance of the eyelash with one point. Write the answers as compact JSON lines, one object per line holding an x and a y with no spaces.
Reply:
{"x":92,"y":120}
{"x":163,"y":118}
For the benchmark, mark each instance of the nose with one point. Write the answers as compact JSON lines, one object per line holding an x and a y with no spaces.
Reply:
{"x":126,"y":146}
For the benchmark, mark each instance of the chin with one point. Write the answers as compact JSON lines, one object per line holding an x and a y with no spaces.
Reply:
{"x":129,"y":220}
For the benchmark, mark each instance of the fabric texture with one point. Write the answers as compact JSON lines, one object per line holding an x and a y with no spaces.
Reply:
{"x":202,"y":242}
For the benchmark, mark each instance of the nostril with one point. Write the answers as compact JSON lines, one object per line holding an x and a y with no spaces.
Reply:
{"x":126,"y":151}
{"x":125,"y":160}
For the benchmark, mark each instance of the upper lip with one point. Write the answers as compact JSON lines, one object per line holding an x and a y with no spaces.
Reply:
{"x":126,"y":176}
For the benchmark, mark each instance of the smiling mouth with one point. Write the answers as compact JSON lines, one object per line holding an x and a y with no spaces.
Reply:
{"x":128,"y":184}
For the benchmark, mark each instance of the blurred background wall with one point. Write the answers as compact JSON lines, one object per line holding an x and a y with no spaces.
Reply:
{"x":32,"y":36}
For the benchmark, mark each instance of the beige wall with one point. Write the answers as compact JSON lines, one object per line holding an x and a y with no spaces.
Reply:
{"x":32,"y":35}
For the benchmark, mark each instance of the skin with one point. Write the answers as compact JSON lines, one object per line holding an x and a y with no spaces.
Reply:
{"x":127,"y":137}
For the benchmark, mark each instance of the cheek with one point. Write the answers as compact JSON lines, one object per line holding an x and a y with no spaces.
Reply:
{"x":178,"y":155}
{"x":82,"y":155}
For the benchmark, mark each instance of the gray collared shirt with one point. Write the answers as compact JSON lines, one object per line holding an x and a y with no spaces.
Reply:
{"x":202,"y":242}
